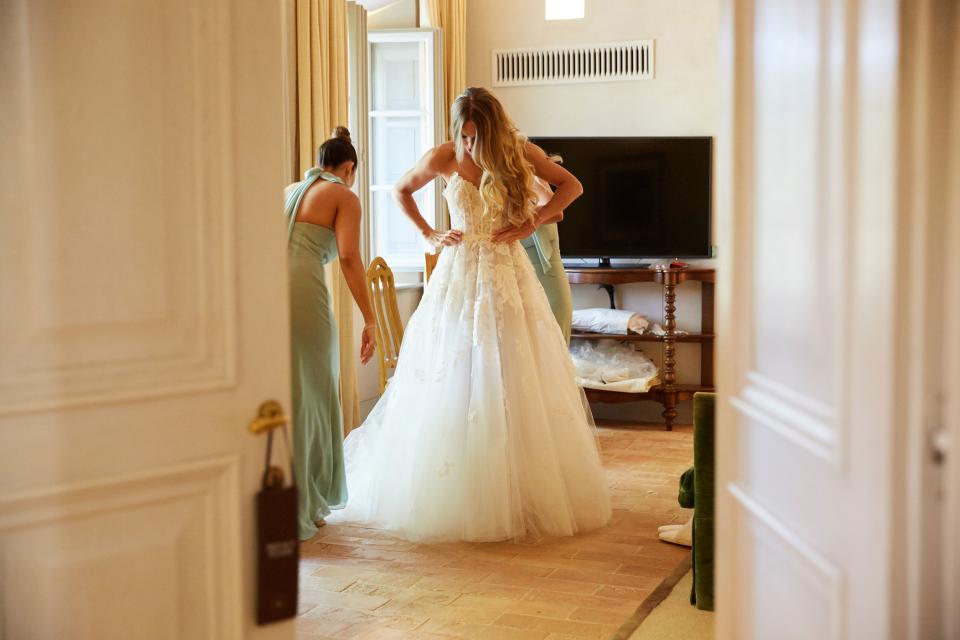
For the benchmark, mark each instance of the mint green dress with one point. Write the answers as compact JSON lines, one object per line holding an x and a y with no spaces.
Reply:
{"x":315,"y":364}
{"x":543,"y":248}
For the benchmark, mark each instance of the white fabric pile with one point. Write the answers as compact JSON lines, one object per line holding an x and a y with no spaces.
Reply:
{"x":616,"y":321}
{"x":612,"y":366}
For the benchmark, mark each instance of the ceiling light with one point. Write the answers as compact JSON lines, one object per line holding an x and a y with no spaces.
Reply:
{"x":564,"y":9}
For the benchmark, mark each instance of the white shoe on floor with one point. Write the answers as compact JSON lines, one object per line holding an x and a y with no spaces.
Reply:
{"x":681,"y":534}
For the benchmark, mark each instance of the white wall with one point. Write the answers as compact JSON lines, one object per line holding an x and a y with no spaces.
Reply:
{"x":682,"y":100}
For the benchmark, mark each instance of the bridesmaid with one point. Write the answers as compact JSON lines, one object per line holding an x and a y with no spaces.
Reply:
{"x":324,"y":223}
{"x":543,"y":248}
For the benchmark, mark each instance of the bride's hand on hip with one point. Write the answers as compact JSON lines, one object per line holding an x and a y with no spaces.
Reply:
{"x":510,"y":232}
{"x":368,"y":342}
{"x":444,"y":238}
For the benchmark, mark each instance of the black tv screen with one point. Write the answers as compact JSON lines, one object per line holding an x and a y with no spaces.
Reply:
{"x":642,"y":197}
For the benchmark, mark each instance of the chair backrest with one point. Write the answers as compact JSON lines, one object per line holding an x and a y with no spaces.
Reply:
{"x":429,"y":262}
{"x":383,"y":293}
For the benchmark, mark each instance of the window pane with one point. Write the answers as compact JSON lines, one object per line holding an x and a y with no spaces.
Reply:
{"x":402,"y":86}
{"x":395,"y":234}
{"x":396,"y":76}
{"x":396,"y":147}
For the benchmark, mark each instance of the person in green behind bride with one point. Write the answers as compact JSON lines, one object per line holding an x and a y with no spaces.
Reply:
{"x":323,"y":223}
{"x":543,"y":248}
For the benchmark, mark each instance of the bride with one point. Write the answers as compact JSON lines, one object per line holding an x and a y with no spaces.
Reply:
{"x":482,"y":433}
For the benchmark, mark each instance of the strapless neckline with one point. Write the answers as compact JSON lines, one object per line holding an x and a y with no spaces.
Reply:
{"x":456,"y":174}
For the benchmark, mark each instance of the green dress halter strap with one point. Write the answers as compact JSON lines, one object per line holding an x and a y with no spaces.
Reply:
{"x":292,"y":200}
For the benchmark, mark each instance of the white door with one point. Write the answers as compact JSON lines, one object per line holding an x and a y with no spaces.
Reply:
{"x":144,"y":312}
{"x":807,"y":467}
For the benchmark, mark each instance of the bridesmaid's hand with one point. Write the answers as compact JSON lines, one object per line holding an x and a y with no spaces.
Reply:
{"x":368,"y":342}
{"x":446,"y":239}
{"x":510,"y":233}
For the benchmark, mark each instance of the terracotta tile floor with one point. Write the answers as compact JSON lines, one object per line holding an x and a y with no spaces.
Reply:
{"x":363,"y":583}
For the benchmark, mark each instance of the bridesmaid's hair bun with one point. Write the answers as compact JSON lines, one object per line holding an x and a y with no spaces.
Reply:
{"x":343,"y":133}
{"x":337,"y":150}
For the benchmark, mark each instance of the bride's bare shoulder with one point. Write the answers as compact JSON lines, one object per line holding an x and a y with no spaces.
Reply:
{"x":442,"y":159}
{"x":532,"y":151}
{"x":443,"y":153}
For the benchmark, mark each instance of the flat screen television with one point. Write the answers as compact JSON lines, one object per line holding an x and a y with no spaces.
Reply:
{"x":642,"y":197}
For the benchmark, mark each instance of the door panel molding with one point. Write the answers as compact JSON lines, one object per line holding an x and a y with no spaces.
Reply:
{"x":807,"y":209}
{"x":800,"y":419}
{"x":793,"y":376}
{"x":761,"y":529}
{"x":141,"y":147}
{"x":144,"y":313}
{"x":165,"y":525}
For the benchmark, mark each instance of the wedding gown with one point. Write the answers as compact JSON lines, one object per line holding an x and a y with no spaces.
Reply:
{"x":482,"y":433}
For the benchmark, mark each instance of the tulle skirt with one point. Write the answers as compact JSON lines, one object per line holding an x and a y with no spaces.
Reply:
{"x":482,"y":433}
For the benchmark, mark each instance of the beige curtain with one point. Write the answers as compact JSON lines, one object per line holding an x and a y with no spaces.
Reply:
{"x":360,"y":112}
{"x":451,"y":17}
{"x":321,"y":106}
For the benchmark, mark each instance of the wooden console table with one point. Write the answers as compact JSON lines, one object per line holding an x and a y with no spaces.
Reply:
{"x":668,"y":392}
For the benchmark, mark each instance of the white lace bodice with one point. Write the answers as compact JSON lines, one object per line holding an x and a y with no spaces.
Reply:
{"x":467,"y":212}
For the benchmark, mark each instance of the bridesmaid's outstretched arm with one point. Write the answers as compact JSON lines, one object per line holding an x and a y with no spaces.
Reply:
{"x":544,"y":193}
{"x":568,"y":190}
{"x":347,"y":232}
{"x":568,"y":187}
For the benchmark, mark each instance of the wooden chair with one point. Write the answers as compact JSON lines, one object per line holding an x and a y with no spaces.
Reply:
{"x":429,"y":263}
{"x":383,"y":293}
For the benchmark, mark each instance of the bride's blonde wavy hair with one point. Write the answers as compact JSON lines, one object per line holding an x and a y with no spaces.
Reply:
{"x":507,"y":181}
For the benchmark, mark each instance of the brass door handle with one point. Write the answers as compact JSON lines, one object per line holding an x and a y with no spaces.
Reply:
{"x":270,"y":416}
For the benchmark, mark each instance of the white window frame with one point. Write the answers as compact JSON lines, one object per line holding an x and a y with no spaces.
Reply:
{"x":431,"y":131}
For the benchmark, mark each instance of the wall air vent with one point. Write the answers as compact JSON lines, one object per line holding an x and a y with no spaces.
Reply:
{"x":610,"y":62}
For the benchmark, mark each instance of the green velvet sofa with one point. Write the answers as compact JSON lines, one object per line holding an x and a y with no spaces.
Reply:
{"x":697,"y":493}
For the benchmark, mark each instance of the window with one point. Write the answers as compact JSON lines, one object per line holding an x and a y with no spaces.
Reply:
{"x":404,"y":116}
{"x":564,"y":9}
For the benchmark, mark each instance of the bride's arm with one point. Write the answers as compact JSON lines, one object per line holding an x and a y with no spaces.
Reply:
{"x":568,"y":187}
{"x":429,"y":167}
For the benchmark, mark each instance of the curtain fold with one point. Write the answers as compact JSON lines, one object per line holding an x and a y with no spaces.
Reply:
{"x":359,"y":81}
{"x":322,"y":104}
{"x":451,"y":17}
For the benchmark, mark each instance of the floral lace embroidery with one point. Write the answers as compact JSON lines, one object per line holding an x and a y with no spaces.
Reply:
{"x":488,"y":262}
